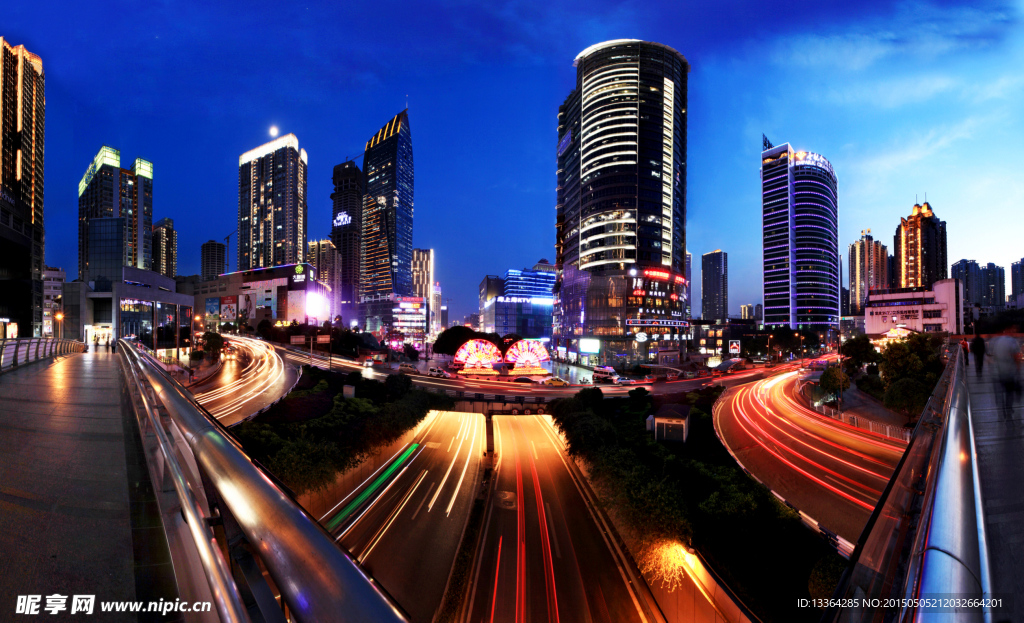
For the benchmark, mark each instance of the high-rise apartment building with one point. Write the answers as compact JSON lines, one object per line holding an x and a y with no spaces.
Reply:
{"x":620,"y":229}
{"x":869,"y":268}
{"x":714,"y":286}
{"x":272,"y":204}
{"x":759,"y":312}
{"x":969,"y":274}
{"x":53,"y":287}
{"x":327,"y":262}
{"x":746,"y":312}
{"x":423,"y":273}
{"x":22,"y":235}
{"x":800,"y":239}
{"x":214,"y":255}
{"x":346,"y":233}
{"x":993,"y":286}
{"x":386,"y":245}
{"x":108,"y":191}
{"x":165,"y":248}
{"x":1017,"y":278}
{"x":919,"y":249}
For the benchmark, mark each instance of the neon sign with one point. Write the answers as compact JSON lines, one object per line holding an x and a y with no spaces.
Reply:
{"x":527,"y":354}
{"x":478,"y":354}
{"x":657,"y":274}
{"x":342,"y":219}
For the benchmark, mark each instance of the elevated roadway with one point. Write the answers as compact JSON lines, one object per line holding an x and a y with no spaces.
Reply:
{"x":256,"y":378}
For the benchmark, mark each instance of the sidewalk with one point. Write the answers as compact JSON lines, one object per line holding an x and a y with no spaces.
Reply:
{"x":65,"y":515}
{"x":1000,"y":447}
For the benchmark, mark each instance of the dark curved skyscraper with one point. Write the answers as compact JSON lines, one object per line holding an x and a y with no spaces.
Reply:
{"x":386,"y":253}
{"x":621,"y":204}
{"x":800,"y":219}
{"x":346,"y":225}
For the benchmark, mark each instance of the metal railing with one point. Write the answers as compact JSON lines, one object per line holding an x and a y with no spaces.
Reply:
{"x":229,"y":524}
{"x":22,"y":350}
{"x":926,"y":536}
{"x":888,"y":430}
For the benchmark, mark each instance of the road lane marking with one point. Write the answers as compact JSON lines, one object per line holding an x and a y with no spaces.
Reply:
{"x":469,"y":457}
{"x":450,"y":444}
{"x":445,"y":479}
{"x":534,"y":450}
{"x":394,"y":515}
{"x":551,"y":527}
{"x":422,"y":501}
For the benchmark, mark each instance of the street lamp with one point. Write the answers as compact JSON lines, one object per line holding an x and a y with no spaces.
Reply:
{"x":770,"y":336}
{"x":60,"y":320}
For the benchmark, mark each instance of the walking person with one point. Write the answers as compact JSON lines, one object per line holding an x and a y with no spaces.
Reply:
{"x":978,"y":350}
{"x":1006,"y":357}
{"x":965,"y":347}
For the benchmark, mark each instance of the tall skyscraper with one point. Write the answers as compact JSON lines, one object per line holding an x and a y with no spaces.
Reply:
{"x":325,"y":259}
{"x":22,"y":236}
{"x":1017,"y":278}
{"x":993,"y":286}
{"x":759,"y":312}
{"x":800,"y":244}
{"x":346,"y":233}
{"x":869,"y":268}
{"x":919,"y":249}
{"x":714,"y":286}
{"x":746,"y":312}
{"x":444,"y":317}
{"x":214,"y":255}
{"x":272,"y":204}
{"x":435,"y":308}
{"x":165,"y":248}
{"x":423,"y":273}
{"x":108,"y":191}
{"x":620,"y":229}
{"x":969,"y":274}
{"x":386,"y":252}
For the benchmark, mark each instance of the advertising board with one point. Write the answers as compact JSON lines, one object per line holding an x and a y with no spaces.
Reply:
{"x":228,"y":308}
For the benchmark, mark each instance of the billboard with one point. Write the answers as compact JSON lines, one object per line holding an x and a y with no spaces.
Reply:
{"x":589,"y":345}
{"x":734,"y":347}
{"x":213,"y":306}
{"x":228,"y":308}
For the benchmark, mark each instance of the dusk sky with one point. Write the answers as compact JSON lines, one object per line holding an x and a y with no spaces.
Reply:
{"x":904,"y":98}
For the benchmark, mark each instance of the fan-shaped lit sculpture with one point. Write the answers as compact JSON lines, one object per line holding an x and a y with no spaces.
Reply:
{"x":527,"y":355}
{"x":477,"y":357}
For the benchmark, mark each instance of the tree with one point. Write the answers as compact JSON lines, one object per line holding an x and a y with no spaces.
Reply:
{"x":907,"y":396}
{"x":213,"y":342}
{"x":265,"y":328}
{"x":899,"y":362}
{"x":858,"y":350}
{"x":834,"y":381}
{"x":450,"y":340}
{"x":411,"y":352}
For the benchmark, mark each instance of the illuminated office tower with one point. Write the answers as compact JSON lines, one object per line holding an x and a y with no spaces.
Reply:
{"x":165,"y":248}
{"x":325,"y":259}
{"x":388,"y":211}
{"x":214,"y":255}
{"x":714,"y":286}
{"x":689,"y":284}
{"x":272,"y":205}
{"x":346,"y":233}
{"x":800,"y":239}
{"x":435,"y":309}
{"x":869,"y":269}
{"x":919,"y":249}
{"x":423,"y":273}
{"x":22,"y":236}
{"x":620,"y":237}
{"x":108,"y":191}
{"x":746,"y":312}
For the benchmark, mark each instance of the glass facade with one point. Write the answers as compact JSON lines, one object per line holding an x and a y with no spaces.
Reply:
{"x":272,"y":205}
{"x":346,"y":232}
{"x":800,"y":243}
{"x":137,"y":321}
{"x":386,"y":245}
{"x":620,"y":195}
{"x":714,"y":286}
{"x":106,"y":252}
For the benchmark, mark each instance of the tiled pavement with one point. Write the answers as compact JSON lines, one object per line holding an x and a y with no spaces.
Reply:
{"x":1000,"y":446}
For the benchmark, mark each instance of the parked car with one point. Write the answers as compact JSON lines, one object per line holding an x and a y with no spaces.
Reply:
{"x":523,"y":379}
{"x":407,"y":368}
{"x":556,"y":382}
{"x":671,"y":376}
{"x":648,"y":378}
{"x":626,"y":380}
{"x":438,"y":372}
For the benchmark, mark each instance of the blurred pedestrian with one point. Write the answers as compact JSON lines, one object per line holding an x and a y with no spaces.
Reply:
{"x":965,"y":347}
{"x":1006,"y":358}
{"x":978,"y":350}
{"x":108,"y":344}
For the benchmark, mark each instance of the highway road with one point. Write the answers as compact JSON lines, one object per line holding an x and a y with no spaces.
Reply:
{"x":543,"y":556}
{"x":243,"y":386}
{"x":404,"y":524}
{"x":833,"y":472}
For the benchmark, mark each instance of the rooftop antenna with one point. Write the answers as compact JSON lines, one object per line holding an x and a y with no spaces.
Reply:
{"x":407,"y":101}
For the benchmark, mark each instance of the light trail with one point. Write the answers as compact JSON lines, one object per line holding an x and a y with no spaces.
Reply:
{"x":333,"y":523}
{"x":469,"y":457}
{"x":545,"y":539}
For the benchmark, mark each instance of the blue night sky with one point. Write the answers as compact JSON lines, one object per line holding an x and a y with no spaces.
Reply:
{"x":904,"y":98}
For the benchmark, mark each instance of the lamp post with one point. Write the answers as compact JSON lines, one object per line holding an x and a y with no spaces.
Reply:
{"x":59,"y":316}
{"x":770,"y":348}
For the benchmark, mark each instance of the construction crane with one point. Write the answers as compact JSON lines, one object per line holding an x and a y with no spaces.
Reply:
{"x":227,"y":251}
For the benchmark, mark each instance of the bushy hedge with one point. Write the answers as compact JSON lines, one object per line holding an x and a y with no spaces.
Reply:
{"x":307,"y":455}
{"x":696,"y":495}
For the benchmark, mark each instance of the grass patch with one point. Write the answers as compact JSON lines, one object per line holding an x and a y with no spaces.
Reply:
{"x":696,"y":495}
{"x":314,"y":434}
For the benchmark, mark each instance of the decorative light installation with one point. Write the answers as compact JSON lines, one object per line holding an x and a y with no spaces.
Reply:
{"x":479,"y":354}
{"x":527,"y":355}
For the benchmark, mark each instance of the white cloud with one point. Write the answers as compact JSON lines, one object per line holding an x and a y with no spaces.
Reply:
{"x":892,"y":93}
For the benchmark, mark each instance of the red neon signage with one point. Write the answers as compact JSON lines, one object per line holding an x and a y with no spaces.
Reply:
{"x":674,"y":297}
{"x":638,"y":292}
{"x":657,"y":274}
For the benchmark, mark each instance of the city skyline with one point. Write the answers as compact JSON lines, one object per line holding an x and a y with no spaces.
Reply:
{"x":915,"y":97}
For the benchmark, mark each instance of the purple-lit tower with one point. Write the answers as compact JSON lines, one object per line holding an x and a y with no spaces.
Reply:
{"x":800,"y":216}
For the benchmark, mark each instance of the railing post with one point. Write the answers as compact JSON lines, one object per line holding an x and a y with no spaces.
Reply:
{"x":3,"y":349}
{"x":17,"y":344}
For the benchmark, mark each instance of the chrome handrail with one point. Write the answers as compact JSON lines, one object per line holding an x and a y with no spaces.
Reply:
{"x":224,"y":591}
{"x":317,"y":580}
